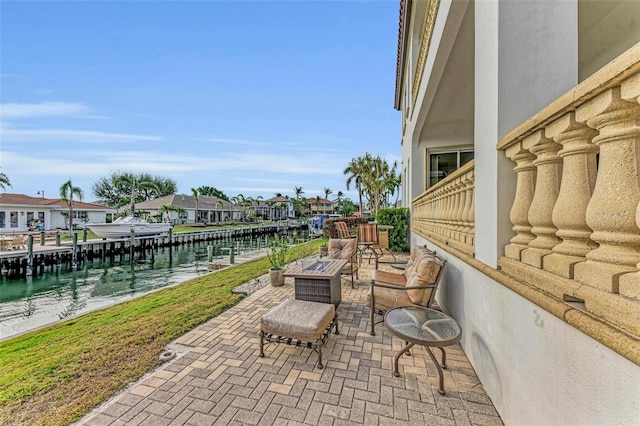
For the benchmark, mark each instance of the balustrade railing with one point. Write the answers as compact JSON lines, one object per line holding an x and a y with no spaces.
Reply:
{"x":445,"y":212}
{"x":576,"y":210}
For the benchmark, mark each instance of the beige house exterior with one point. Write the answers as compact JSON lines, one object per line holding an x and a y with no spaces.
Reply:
{"x":208,"y":209}
{"x":521,"y":162}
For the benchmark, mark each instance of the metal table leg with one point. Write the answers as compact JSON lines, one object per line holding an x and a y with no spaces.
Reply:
{"x":396,"y":373}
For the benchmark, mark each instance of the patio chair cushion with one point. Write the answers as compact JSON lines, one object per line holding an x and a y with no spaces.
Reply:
{"x":387,"y":299}
{"x":344,"y":248}
{"x":417,"y":254}
{"x":425,"y":272}
{"x":342,"y":229}
{"x":298,"y":319}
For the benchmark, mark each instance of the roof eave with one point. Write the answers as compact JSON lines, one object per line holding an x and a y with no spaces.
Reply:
{"x":403,"y":29}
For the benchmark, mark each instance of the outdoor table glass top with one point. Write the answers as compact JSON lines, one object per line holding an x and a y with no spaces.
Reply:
{"x":423,"y":326}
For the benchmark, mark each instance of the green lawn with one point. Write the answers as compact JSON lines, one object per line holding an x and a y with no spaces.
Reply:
{"x":56,"y":375}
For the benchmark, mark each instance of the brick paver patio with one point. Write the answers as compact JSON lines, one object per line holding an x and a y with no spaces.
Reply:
{"x":218,"y":377}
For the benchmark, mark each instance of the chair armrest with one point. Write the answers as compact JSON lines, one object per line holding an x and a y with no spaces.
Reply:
{"x":395,"y":287}
{"x":385,"y":285}
{"x":388,"y":278}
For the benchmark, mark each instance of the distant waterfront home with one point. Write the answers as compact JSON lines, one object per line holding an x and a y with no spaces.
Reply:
{"x":276,"y":208}
{"x":320,"y":205}
{"x":19,"y":213}
{"x":209,"y":209}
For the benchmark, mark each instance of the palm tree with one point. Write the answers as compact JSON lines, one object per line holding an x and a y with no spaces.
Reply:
{"x":136,"y":183}
{"x":195,"y":195}
{"x":257,"y":201}
{"x":355,"y":169}
{"x":340,"y":194}
{"x":327,"y":191}
{"x":215,"y":213}
{"x":241,"y":201}
{"x":298,"y":203}
{"x":377,"y":178}
{"x":67,"y":191}
{"x":166,"y":208}
{"x":4,"y":181}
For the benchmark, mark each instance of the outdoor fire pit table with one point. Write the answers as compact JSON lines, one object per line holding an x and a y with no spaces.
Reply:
{"x":425,"y":327}
{"x":317,"y":280}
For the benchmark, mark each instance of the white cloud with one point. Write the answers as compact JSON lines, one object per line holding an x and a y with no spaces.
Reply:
{"x":43,"y":109}
{"x":76,"y":136}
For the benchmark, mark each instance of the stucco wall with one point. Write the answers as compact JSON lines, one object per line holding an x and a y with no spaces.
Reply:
{"x":536,"y":369}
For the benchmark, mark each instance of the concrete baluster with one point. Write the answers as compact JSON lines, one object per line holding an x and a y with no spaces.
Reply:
{"x":458,"y":215}
{"x":578,"y":181}
{"x":630,"y":283}
{"x":525,"y":188}
{"x":470,"y":217}
{"x":611,"y":213}
{"x":548,"y":174}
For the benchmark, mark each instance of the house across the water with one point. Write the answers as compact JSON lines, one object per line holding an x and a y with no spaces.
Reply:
{"x":20,"y":213}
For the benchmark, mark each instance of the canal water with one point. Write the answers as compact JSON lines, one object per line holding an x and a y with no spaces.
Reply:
{"x":27,"y":304}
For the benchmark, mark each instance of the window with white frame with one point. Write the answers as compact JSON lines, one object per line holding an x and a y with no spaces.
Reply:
{"x":441,"y":163}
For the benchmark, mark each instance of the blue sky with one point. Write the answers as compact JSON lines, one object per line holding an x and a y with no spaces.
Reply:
{"x":249,"y":97}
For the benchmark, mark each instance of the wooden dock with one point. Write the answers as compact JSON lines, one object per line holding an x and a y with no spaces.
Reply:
{"x":42,"y":254}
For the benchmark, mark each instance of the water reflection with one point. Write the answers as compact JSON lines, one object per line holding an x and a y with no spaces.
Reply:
{"x":36,"y":301}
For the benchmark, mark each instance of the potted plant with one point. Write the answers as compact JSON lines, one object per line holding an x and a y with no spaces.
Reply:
{"x":277,"y":255}
{"x":324,"y":250}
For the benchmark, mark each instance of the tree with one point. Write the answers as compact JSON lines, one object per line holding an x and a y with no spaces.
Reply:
{"x":355,"y":170}
{"x":114,"y":192}
{"x":210,"y":191}
{"x":67,"y":191}
{"x":298,"y":205}
{"x":4,"y":181}
{"x":195,"y":196}
{"x":134,"y":184}
{"x":166,"y":208}
{"x":327,"y":191}
{"x":241,"y":201}
{"x":340,"y":194}
{"x":346,"y":207}
{"x":377,"y":179}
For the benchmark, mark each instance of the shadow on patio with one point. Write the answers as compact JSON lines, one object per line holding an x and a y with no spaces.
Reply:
{"x":218,"y":377}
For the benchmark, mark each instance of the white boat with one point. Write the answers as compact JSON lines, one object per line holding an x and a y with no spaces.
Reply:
{"x":122,"y":227}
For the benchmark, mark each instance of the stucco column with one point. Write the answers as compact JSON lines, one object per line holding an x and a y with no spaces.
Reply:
{"x":630,"y":283}
{"x":612,"y":210}
{"x":548,"y":172}
{"x":525,"y":188}
{"x":578,"y":180}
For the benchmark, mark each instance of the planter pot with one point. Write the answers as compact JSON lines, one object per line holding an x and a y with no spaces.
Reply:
{"x":324,"y":251}
{"x":276,"y":276}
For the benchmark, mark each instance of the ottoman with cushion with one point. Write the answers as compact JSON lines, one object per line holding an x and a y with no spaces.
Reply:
{"x":299,"y":322}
